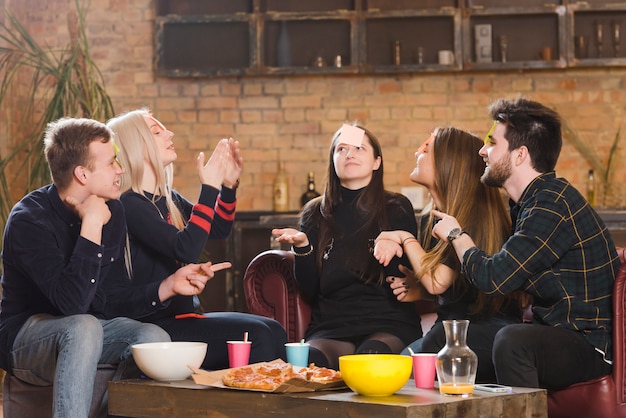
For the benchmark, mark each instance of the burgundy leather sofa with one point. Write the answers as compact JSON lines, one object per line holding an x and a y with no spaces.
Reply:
{"x":604,"y":397}
{"x":270,"y":290}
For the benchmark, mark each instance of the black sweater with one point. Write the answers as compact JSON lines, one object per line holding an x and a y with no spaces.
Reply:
{"x":158,"y":248}
{"x":345,"y":306}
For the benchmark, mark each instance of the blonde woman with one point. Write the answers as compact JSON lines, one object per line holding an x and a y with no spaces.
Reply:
{"x":166,"y":230}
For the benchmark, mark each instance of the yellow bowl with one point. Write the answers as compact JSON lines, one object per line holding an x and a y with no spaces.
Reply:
{"x":375,"y":374}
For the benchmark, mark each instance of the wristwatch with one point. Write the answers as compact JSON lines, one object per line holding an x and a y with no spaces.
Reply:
{"x":455,"y":233}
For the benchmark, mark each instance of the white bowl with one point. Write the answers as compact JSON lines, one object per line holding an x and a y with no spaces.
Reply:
{"x":169,"y":361}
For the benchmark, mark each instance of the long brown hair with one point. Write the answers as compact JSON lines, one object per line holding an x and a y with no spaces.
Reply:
{"x":479,"y":208}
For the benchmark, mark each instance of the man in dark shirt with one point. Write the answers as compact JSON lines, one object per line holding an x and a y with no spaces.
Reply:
{"x":560,"y":252}
{"x":63,"y":245}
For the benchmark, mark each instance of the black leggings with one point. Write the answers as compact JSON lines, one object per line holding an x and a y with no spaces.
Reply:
{"x":325,"y":352}
{"x":268,"y":337}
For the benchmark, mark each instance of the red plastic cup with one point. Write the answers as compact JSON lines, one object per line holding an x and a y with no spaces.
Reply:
{"x":238,"y":353}
{"x":424,"y":370}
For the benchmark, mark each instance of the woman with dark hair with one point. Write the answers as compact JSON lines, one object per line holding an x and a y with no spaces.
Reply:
{"x":449,"y":166}
{"x":353,"y":310}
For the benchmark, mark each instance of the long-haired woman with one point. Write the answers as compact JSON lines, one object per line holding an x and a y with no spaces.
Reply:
{"x":353,"y":309}
{"x":449,"y":166}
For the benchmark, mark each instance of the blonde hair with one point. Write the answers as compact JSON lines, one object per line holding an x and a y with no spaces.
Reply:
{"x":136,"y":142}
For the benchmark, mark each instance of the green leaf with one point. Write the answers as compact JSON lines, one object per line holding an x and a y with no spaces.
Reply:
{"x":50,"y":84}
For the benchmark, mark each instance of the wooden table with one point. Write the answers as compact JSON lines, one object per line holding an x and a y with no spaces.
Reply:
{"x":147,"y":398}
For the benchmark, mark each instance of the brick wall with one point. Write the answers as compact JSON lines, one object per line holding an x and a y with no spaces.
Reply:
{"x":293,"y":118}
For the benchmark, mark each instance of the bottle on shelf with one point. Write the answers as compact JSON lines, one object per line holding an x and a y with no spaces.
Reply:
{"x":283,"y":48}
{"x":310,"y":193}
{"x":591,"y":189}
{"x":281,"y":190}
{"x":397,"y":53}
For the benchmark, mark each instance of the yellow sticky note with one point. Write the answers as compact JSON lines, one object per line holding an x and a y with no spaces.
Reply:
{"x":487,"y":139}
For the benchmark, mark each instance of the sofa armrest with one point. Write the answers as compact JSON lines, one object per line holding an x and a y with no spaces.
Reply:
{"x":619,"y":333}
{"x":271,"y":290}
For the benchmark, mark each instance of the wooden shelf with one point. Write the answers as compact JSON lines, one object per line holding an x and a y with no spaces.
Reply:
{"x":292,"y":37}
{"x":586,"y":20}
{"x":512,"y":26}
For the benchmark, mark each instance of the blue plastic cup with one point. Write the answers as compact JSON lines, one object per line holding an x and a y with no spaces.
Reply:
{"x":297,"y":354}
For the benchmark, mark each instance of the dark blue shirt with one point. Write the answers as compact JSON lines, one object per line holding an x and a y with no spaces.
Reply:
{"x":49,"y":268}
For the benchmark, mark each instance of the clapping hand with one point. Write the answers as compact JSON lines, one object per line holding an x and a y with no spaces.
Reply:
{"x":234,"y":165}
{"x":212,"y":173}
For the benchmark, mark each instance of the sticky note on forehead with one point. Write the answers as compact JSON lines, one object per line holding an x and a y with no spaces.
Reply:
{"x":351,"y":135}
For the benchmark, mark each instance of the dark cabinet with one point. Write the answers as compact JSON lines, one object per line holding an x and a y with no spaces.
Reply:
{"x":269,"y":37}
{"x":311,"y":47}
{"x":596,"y":34}
{"x":519,"y":37}
{"x":410,"y":40}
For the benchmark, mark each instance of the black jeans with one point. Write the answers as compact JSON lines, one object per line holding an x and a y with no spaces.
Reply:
{"x":533,"y":355}
{"x":268,"y":337}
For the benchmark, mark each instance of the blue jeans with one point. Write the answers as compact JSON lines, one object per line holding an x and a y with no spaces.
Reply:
{"x":416,"y":346}
{"x":65,"y":352}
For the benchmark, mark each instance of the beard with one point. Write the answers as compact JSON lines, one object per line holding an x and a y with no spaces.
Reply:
{"x":496,"y":174}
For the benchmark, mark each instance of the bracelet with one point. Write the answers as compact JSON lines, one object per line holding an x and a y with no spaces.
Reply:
{"x":309,"y":252}
{"x":407,"y":239}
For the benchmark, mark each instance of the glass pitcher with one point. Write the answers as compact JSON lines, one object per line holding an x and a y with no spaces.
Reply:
{"x":456,"y":362}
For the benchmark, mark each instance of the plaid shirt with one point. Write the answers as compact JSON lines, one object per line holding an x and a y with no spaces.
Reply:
{"x":561,"y":253}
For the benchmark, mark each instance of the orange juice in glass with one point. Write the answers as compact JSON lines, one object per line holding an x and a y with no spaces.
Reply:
{"x":456,"y":388}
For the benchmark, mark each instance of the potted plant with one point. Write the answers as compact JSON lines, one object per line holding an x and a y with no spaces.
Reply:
{"x":608,"y":193}
{"x":39,"y":85}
